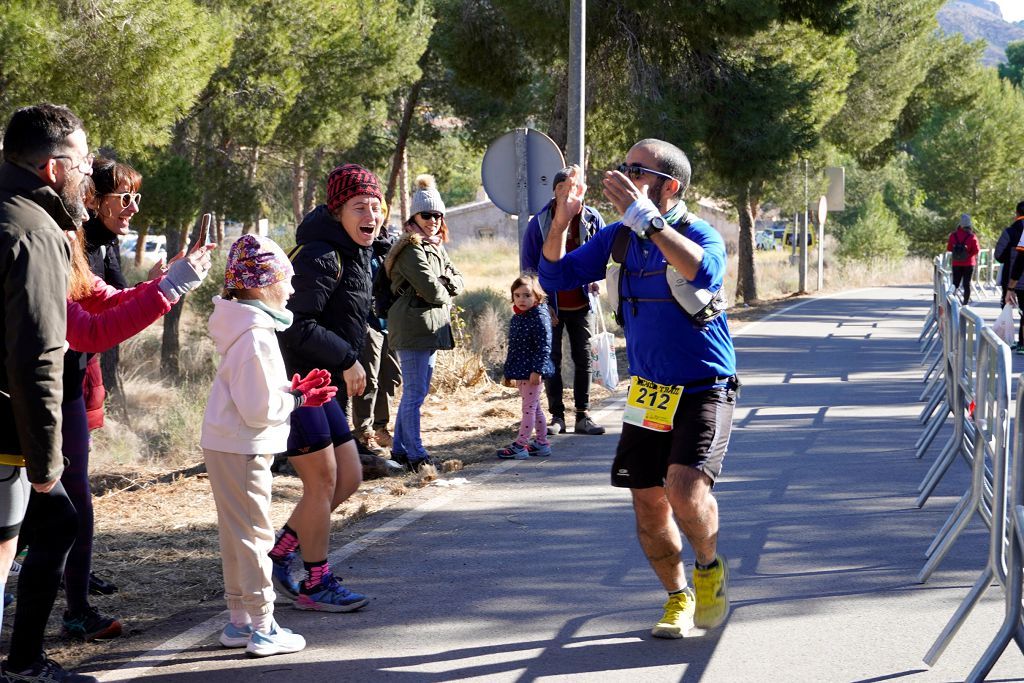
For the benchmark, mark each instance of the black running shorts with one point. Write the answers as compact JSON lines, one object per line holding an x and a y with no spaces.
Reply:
{"x":699,"y":438}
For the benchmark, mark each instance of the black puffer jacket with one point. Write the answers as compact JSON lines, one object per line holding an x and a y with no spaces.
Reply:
{"x":330,"y":311}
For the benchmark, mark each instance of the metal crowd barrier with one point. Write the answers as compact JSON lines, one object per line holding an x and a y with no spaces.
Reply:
{"x":943,"y":401}
{"x":992,"y":417}
{"x":972,"y":381}
{"x":983,"y":362}
{"x":962,"y":338}
{"x":985,"y":277}
{"x":930,"y":341}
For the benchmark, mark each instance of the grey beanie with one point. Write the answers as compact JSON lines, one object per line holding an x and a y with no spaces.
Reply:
{"x":965,"y":221}
{"x":426,"y":197}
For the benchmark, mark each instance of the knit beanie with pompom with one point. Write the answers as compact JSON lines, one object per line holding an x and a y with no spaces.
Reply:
{"x":426,"y":197}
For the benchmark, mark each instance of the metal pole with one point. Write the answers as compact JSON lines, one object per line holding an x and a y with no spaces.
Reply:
{"x":522,"y":187}
{"x":577,"y":80}
{"x":803,"y":238}
{"x":821,"y":255}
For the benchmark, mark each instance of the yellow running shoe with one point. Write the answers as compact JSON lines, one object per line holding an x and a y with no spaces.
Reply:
{"x":678,"y":617}
{"x":712,"y":586}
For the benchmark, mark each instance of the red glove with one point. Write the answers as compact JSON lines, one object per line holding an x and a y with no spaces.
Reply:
{"x":314,"y":389}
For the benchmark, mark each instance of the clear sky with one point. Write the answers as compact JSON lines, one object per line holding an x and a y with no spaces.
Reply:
{"x":1013,"y":10}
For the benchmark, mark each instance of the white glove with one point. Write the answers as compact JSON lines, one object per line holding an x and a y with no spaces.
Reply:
{"x":639,"y":215}
{"x":180,"y":279}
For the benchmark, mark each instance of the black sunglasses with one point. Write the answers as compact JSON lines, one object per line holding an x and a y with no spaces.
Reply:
{"x":126,"y":198}
{"x":634,"y":171}
{"x":431,"y":215}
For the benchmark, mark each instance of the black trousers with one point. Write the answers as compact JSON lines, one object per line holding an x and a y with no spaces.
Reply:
{"x":579,"y":325}
{"x":49,"y":530}
{"x":962,"y":276}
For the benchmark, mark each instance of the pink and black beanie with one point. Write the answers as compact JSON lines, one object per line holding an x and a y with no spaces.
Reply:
{"x":350,"y":180}
{"x":255,"y":262}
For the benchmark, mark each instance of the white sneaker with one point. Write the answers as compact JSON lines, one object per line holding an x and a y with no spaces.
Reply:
{"x":235,"y":636}
{"x":278,"y":640}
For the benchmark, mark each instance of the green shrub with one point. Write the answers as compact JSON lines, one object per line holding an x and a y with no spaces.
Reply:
{"x":875,"y":236}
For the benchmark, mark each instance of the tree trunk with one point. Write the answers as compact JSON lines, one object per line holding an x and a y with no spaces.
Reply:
{"x":403,"y":138}
{"x":220,"y":230}
{"x":309,"y":200}
{"x":746,"y":280}
{"x":298,"y":186}
{"x":403,"y":180}
{"x":170,"y":345}
{"x":140,"y":246}
{"x":249,"y":227}
{"x":559,"y":129}
{"x":408,"y":107}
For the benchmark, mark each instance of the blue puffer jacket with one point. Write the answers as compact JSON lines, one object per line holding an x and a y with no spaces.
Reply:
{"x":662,"y":344}
{"x":529,"y":344}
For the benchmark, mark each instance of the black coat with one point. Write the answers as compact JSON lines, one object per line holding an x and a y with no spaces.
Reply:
{"x":330,"y":310}
{"x":379,"y":249}
{"x":35,"y":257}
{"x":104,"y":253}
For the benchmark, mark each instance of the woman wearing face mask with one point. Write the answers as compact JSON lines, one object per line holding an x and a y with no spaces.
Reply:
{"x":331,"y":304}
{"x":419,"y":322}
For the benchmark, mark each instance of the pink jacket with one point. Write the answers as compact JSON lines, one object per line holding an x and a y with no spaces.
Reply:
{"x":109,"y":316}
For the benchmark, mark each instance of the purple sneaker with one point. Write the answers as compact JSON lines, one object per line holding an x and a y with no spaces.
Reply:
{"x":329,"y":596}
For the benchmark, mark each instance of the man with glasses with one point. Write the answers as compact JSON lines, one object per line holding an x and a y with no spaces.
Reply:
{"x":570,"y":308}
{"x":683,"y":385}
{"x":42,"y":181}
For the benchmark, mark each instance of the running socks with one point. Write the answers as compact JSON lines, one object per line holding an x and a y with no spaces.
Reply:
{"x":315,"y":572}
{"x":287,"y":543}
{"x":703,"y":567}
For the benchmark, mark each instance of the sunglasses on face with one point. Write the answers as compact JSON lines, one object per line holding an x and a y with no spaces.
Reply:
{"x":127,"y":198}
{"x":635,"y":171}
{"x":431,"y":215}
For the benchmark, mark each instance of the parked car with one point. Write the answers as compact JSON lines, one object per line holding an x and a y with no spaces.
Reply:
{"x":765,"y":240}
{"x":154,"y":249}
{"x":788,"y":239}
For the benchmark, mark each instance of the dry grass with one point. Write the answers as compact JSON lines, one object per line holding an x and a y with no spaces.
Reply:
{"x":156,"y":532}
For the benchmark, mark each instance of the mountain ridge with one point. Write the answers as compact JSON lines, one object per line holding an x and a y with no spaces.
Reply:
{"x":981,"y":20}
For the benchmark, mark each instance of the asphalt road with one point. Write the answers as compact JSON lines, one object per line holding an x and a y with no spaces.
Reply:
{"x":531,"y":571}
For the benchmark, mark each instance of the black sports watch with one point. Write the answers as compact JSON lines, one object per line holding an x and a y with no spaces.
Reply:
{"x":657,"y":224}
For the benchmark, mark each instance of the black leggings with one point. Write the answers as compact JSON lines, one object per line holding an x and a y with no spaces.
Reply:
{"x":49,"y":530}
{"x":76,"y":482}
{"x":962,"y":276}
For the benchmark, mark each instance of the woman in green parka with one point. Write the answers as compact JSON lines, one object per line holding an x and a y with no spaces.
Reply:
{"x":419,"y":322}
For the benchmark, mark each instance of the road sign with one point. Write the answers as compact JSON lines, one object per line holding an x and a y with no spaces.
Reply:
{"x":500,"y":169}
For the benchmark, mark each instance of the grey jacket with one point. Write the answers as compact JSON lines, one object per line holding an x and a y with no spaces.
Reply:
{"x":420,"y":319}
{"x":34,"y":264}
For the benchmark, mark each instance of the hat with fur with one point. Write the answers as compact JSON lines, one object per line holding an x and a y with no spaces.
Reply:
{"x":255,"y":262}
{"x":426,"y":197}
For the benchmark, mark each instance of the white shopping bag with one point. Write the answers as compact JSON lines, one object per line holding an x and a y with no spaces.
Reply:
{"x":602,"y":353}
{"x":1003,"y":326}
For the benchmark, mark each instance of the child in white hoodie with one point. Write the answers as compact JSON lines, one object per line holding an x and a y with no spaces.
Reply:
{"x":245,"y":425}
